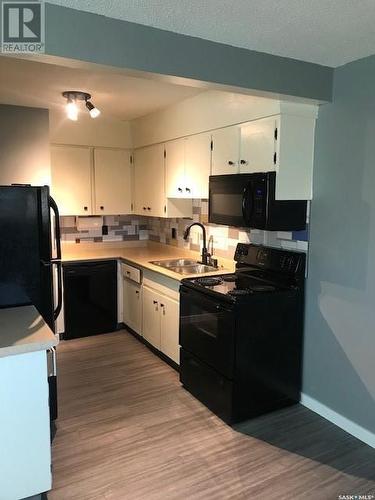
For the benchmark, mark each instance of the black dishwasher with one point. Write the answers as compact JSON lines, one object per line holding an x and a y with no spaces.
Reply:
{"x":90,"y":298}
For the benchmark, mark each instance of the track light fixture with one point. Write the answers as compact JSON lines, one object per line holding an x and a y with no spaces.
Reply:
{"x":72,"y":96}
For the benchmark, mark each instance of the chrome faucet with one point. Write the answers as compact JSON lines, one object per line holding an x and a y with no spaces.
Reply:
{"x":206,"y":257}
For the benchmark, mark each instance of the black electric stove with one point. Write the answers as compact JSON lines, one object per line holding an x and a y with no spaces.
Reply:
{"x":241,"y":334}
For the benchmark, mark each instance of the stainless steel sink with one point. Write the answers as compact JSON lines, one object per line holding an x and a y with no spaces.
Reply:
{"x":174,"y":263}
{"x":184,"y":266}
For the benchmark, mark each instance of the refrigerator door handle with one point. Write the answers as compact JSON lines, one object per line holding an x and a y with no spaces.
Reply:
{"x":57,"y":261}
{"x":55,"y":209}
{"x":57,"y":311}
{"x":53,"y":365}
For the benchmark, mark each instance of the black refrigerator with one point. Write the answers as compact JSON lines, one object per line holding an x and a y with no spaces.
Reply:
{"x":29,"y":251}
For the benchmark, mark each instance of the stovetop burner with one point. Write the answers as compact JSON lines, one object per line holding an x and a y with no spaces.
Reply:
{"x":230,"y":279}
{"x":263,"y":288}
{"x":209,"y":281}
{"x":239,"y":291}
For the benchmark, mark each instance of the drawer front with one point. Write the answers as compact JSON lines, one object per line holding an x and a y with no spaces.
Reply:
{"x":211,"y":388}
{"x":130,"y":272}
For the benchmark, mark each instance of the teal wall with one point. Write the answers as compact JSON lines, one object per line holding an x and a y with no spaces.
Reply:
{"x":339,"y":360}
{"x":92,"y":38}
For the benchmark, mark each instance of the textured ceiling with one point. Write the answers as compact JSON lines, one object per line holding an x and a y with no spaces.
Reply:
{"x":328,"y":32}
{"x":27,"y":83}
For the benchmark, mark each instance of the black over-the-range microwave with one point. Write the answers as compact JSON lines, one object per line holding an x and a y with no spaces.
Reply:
{"x":248,"y":200}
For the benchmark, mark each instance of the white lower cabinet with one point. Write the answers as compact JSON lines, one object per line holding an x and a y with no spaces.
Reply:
{"x":169,"y":328}
{"x":161,"y":322}
{"x":132,"y":305}
{"x":151,"y":316}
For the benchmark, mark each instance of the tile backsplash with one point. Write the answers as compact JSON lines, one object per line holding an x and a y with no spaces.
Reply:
{"x":120,"y":228}
{"x":223,"y":239}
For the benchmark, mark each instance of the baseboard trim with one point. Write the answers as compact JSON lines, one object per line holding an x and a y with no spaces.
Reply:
{"x":344,"y":423}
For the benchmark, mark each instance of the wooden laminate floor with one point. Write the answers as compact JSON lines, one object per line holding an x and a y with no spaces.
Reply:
{"x":127,"y":430}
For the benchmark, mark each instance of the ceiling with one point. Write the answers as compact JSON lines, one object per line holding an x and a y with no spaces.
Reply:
{"x":327,"y":32}
{"x":28,"y":83}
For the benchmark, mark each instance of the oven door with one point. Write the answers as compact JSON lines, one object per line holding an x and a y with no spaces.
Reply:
{"x":230,"y":199}
{"x":207,"y":330}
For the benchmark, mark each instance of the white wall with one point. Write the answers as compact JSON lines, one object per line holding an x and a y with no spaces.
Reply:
{"x":24,"y":145}
{"x":206,"y":111}
{"x":102,"y":131}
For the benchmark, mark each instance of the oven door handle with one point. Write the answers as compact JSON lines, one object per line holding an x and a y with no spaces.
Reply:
{"x":206,"y":303}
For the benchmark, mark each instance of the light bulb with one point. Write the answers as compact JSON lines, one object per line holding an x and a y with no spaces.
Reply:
{"x":72,"y":110}
{"x":94,"y":113}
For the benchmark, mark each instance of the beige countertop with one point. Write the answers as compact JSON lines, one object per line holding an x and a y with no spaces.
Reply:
{"x":22,"y":330}
{"x":140,"y":254}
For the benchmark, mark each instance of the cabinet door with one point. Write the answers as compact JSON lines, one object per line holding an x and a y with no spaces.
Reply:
{"x":149,"y":196}
{"x":197,"y":165}
{"x":132,"y":309}
{"x":151,"y":316}
{"x":175,"y":168}
{"x":71,"y":179}
{"x":258,"y":146}
{"x":225,"y":152}
{"x":112,"y":181}
{"x":169,"y":328}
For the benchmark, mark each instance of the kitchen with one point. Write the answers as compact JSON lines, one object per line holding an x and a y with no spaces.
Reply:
{"x":133,"y":187}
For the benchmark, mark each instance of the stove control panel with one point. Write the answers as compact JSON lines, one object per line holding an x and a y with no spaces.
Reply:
{"x":271,"y":259}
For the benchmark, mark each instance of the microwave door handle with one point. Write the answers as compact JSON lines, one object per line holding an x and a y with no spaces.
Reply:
{"x":247,"y":202}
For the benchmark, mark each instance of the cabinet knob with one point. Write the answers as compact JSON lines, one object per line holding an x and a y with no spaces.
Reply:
{"x":102,"y":208}
{"x":244,"y":162}
{"x":144,"y":208}
{"x":187,"y":190}
{"x":230,"y":162}
{"x":155,"y":302}
{"x":179,"y":190}
{"x":148,"y":208}
{"x":137,"y":292}
{"x":85,"y":208}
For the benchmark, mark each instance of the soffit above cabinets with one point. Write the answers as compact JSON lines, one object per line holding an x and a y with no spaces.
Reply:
{"x":117,"y":95}
{"x":328,"y":33}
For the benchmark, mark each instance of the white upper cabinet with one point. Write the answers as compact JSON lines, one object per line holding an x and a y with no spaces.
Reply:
{"x":225,"y":150}
{"x":197,"y":165}
{"x":151,"y":185}
{"x":188,"y":166}
{"x":112,"y":181}
{"x":91,"y":181}
{"x":175,"y":183}
{"x":282,"y":143}
{"x":258,"y":146}
{"x":71,"y":179}
{"x":149,"y":180}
